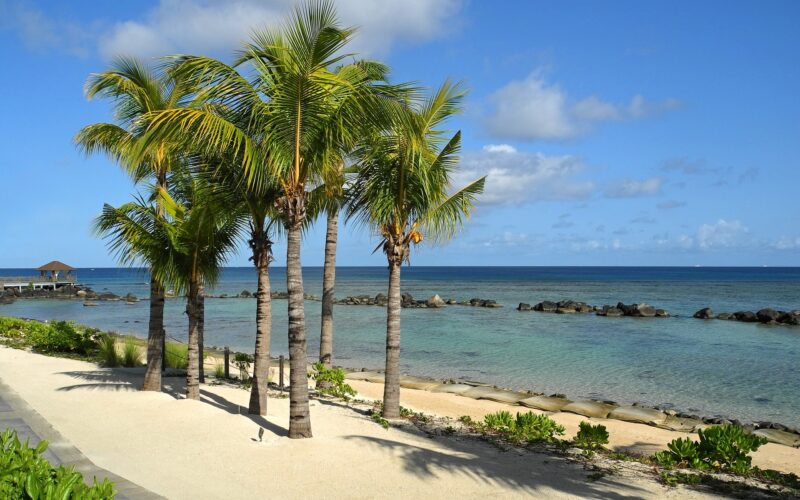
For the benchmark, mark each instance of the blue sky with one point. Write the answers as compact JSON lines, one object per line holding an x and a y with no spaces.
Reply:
{"x":612,"y":133}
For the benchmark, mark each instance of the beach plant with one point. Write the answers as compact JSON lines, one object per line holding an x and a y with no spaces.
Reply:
{"x":131,"y":353}
{"x":59,"y":336}
{"x":176,"y":355}
{"x":107,"y":347}
{"x":243,"y":361}
{"x":333,"y":382}
{"x":219,"y":371}
{"x":137,"y":91}
{"x":722,"y":447}
{"x":591,"y":437}
{"x":376,"y":417}
{"x":525,"y":427}
{"x":24,"y":473}
{"x":403,"y":192}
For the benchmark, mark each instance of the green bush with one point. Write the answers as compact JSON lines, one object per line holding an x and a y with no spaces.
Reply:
{"x":591,"y":437}
{"x":107,"y":346}
{"x":724,"y":447}
{"x":526,"y":427}
{"x":24,"y":473}
{"x":219,"y":370}
{"x":60,"y":336}
{"x":176,"y":355}
{"x":332,"y":382}
{"x":131,"y":353}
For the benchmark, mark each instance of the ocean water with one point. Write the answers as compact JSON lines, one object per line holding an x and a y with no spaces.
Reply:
{"x":747,"y":371}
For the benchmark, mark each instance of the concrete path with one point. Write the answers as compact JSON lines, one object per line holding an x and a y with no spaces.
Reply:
{"x":16,"y":414}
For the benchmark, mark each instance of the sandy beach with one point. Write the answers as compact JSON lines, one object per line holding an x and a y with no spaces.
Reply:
{"x":189,"y":449}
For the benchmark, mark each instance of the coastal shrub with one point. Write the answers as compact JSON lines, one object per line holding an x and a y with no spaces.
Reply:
{"x":725,"y":447}
{"x":333,"y":383}
{"x":131,"y":353}
{"x":376,"y":417}
{"x":59,"y":336}
{"x":219,"y":370}
{"x":242,"y":361}
{"x":591,"y":437}
{"x":525,"y":427}
{"x":24,"y":473}
{"x":108,"y":354}
{"x":176,"y":355}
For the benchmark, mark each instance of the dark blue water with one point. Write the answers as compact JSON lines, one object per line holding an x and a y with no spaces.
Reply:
{"x":714,"y":367}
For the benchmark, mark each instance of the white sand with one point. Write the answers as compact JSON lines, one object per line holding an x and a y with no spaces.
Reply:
{"x":189,"y":449}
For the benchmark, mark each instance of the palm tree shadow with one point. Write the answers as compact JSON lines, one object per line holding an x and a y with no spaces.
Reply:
{"x":127,"y":380}
{"x":482,"y":463}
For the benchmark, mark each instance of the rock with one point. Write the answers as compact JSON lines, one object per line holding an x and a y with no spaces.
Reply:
{"x":789,"y":318}
{"x":589,"y":408}
{"x":638,"y":414}
{"x":779,"y":437}
{"x":725,"y":316}
{"x":610,"y":311}
{"x":435,"y":301}
{"x":89,"y":304}
{"x":420,"y":383}
{"x":643,"y":311}
{"x":660,"y":313}
{"x":245,"y":294}
{"x":704,"y":313}
{"x":80,"y":293}
{"x":108,"y":296}
{"x":545,"y":403}
{"x":452,"y":388}
{"x":504,"y":396}
{"x":131,"y":298}
{"x":360,"y":375}
{"x":545,"y":306}
{"x":681,"y":424}
{"x":745,"y":316}
{"x":452,"y":302}
{"x":768,"y":315}
{"x":523,"y":307}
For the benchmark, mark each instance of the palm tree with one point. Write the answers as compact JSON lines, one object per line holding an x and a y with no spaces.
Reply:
{"x":403,"y":192}
{"x":287,"y":102}
{"x":136,"y":91}
{"x":202,"y":226}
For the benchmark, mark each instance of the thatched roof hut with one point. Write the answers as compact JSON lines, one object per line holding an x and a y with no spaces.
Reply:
{"x":55,"y":266}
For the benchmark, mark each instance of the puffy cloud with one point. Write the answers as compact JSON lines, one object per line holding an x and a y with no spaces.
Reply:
{"x":633,"y":188}
{"x":514,"y":177}
{"x":788,"y":243}
{"x":499,"y":148}
{"x":200,"y":26}
{"x":721,"y":234}
{"x":533,"y":109}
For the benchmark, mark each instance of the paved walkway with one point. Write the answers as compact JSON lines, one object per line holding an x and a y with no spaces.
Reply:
{"x":16,"y":414}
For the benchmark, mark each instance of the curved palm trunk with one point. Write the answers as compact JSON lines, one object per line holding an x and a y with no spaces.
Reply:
{"x":328,"y":281}
{"x":201,"y":328}
{"x":155,"y":338}
{"x":299,"y":415}
{"x":391,"y":387}
{"x":192,"y":370}
{"x":262,"y":255}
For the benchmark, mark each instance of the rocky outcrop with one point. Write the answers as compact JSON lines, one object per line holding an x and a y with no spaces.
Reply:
{"x":408,"y":301}
{"x":641,"y":310}
{"x":767,"y":316}
{"x":73,"y":292}
{"x":435,"y":301}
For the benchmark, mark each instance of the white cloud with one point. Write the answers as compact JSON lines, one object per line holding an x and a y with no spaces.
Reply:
{"x":202,"y":26}
{"x":499,"y":148}
{"x":516,"y":177}
{"x":535,"y":109}
{"x":721,"y":234}
{"x":788,"y":243}
{"x":634,"y":188}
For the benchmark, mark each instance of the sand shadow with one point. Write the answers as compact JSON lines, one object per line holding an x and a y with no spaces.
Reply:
{"x":528,"y":472}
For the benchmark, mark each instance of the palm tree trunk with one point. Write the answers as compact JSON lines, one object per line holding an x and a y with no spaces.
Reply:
{"x":391,"y":386}
{"x":299,"y":415}
{"x":201,"y":328}
{"x":262,"y":255}
{"x":155,"y":338}
{"x":328,"y":281}
{"x":192,"y":370}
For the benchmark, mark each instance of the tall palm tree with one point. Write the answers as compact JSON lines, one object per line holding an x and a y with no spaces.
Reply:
{"x":403,"y":192}
{"x":202,"y":226}
{"x":287,"y":100}
{"x":136,"y":91}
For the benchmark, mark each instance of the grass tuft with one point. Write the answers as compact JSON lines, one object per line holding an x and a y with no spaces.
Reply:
{"x":107,"y":346}
{"x":131,"y":353}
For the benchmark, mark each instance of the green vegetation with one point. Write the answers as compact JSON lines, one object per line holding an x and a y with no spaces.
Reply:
{"x":376,"y":417}
{"x":591,"y":437}
{"x":52,"y":337}
{"x":219,"y":370}
{"x":332,"y":382}
{"x":176,"y":355}
{"x":131,"y":353}
{"x":524,"y":428}
{"x":24,"y":473}
{"x":724,"y":447}
{"x":107,"y":346}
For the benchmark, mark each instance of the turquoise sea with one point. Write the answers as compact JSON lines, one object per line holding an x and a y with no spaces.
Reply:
{"x":746,"y":371}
